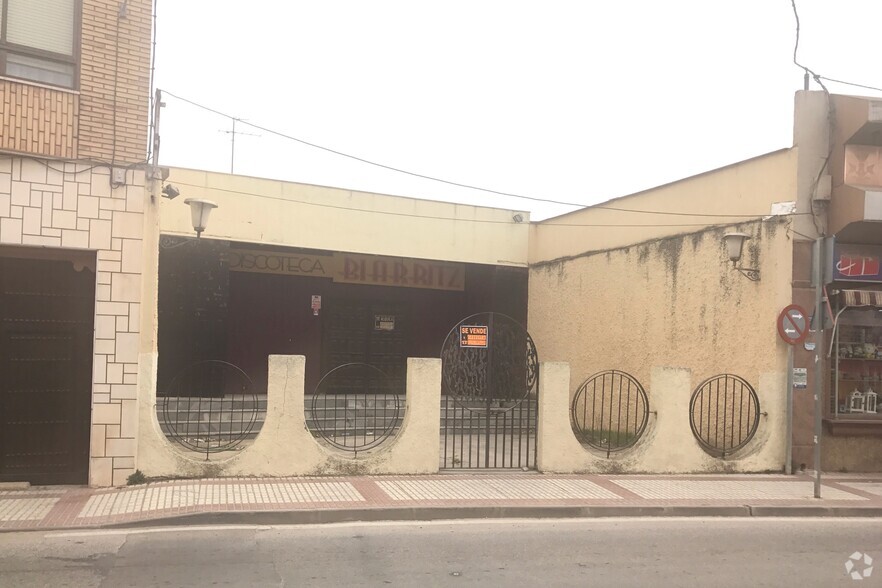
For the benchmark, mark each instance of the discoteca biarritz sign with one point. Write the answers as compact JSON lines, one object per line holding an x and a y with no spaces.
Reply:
{"x":348,"y":268}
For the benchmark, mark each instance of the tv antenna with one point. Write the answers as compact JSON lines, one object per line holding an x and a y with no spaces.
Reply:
{"x":233,"y":134}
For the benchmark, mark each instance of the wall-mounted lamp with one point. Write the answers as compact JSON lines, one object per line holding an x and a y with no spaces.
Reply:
{"x":518,"y":218}
{"x":734,"y":245}
{"x":199,"y":211}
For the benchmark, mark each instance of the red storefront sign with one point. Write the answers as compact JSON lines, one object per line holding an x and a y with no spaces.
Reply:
{"x":858,"y":266}
{"x":857,"y":263}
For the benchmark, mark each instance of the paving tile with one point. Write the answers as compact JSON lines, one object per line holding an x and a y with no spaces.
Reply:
{"x":488,"y":489}
{"x":69,"y":506}
{"x":25,"y":509}
{"x":869,"y":487}
{"x":176,"y":496}
{"x":662,"y":489}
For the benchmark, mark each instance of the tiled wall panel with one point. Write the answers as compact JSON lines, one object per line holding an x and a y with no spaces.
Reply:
{"x":58,"y":204}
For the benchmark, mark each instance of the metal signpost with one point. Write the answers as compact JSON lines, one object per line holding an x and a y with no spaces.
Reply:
{"x":818,"y":279}
{"x":793,"y":329}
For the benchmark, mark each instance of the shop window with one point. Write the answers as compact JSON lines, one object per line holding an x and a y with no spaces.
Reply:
{"x":38,"y":41}
{"x":857,"y":365}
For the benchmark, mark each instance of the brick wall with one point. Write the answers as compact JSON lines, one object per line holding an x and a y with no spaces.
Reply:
{"x":71,"y":124}
{"x":74,"y":206}
{"x":38,"y":120}
{"x":97,"y":71}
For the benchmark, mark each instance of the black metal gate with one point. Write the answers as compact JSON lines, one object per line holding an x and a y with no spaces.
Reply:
{"x":46,"y":327}
{"x":490,"y":389}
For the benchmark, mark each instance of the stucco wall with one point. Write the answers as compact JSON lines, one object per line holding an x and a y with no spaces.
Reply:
{"x":748,"y":187}
{"x":256,"y":210}
{"x":285,"y":447}
{"x":71,"y":205}
{"x":673,"y":304}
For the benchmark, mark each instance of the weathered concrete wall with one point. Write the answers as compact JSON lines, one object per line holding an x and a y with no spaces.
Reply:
{"x":745,"y":188}
{"x":667,"y":445}
{"x":285,"y":447}
{"x":672,"y":313}
{"x":811,"y":141}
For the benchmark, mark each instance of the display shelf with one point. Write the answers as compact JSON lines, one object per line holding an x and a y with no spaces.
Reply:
{"x":856,"y":365}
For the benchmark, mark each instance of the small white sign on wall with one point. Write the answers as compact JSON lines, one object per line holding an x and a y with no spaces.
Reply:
{"x":800,"y":378}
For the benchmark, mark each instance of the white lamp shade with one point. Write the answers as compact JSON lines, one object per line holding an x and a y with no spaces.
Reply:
{"x":734,"y":244}
{"x":199,"y":211}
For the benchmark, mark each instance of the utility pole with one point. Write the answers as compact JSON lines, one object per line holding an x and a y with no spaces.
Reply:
{"x":818,"y":275}
{"x":157,"y":108}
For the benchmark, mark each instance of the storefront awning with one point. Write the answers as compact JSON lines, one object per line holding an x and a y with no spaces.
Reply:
{"x":861,"y":298}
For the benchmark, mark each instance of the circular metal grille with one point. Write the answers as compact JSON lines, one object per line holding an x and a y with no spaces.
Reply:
{"x":610,"y":411}
{"x":355,"y":407}
{"x":505,"y":373}
{"x":724,"y":414}
{"x":210,"y":407}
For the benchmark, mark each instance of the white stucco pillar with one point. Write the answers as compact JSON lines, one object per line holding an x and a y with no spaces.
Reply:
{"x":673,"y":447}
{"x":284,"y":445}
{"x":419,"y":448}
{"x":558,"y":450}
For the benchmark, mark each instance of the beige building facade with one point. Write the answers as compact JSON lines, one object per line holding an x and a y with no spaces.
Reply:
{"x":311,"y":278}
{"x":128,"y":343}
{"x":643,"y":285}
{"x":74,"y":85}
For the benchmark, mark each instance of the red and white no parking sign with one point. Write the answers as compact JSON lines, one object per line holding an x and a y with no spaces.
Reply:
{"x":793,"y":324}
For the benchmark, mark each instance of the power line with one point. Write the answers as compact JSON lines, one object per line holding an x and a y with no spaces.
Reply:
{"x":91,"y":163}
{"x":444,"y":218}
{"x":817,"y":77}
{"x":152,"y":82}
{"x":796,"y":48}
{"x":452,"y":183}
{"x":835,"y":81}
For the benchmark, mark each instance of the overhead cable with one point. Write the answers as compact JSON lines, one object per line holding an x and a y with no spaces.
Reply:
{"x":444,"y":218}
{"x":452,"y":183}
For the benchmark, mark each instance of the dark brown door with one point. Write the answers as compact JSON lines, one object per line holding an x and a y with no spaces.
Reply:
{"x":46,"y":327}
{"x":369,"y":332}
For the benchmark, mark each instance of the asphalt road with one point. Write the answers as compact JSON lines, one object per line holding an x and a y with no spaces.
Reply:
{"x":599,"y":552}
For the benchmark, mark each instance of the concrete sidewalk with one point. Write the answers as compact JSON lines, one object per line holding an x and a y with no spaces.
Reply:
{"x":442,"y":496}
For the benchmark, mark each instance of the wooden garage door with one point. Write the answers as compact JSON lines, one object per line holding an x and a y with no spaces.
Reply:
{"x":46,"y":322}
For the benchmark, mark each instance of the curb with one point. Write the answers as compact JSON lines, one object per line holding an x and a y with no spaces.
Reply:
{"x":331,"y":516}
{"x":816,"y":511}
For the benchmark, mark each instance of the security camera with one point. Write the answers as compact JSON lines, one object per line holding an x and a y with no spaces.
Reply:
{"x":170,"y":192}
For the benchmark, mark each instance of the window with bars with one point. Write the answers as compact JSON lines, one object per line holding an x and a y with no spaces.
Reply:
{"x":38,"y":41}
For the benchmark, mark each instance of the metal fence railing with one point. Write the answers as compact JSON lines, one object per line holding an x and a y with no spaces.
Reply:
{"x":210,"y":407}
{"x":724,"y":414}
{"x":609,"y":411}
{"x":355,"y":408}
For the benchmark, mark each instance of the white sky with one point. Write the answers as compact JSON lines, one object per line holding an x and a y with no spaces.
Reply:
{"x":577,"y":101}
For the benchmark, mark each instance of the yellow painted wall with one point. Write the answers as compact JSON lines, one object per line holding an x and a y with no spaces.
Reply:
{"x":748,"y":187}
{"x":673,"y":303}
{"x":256,"y":210}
